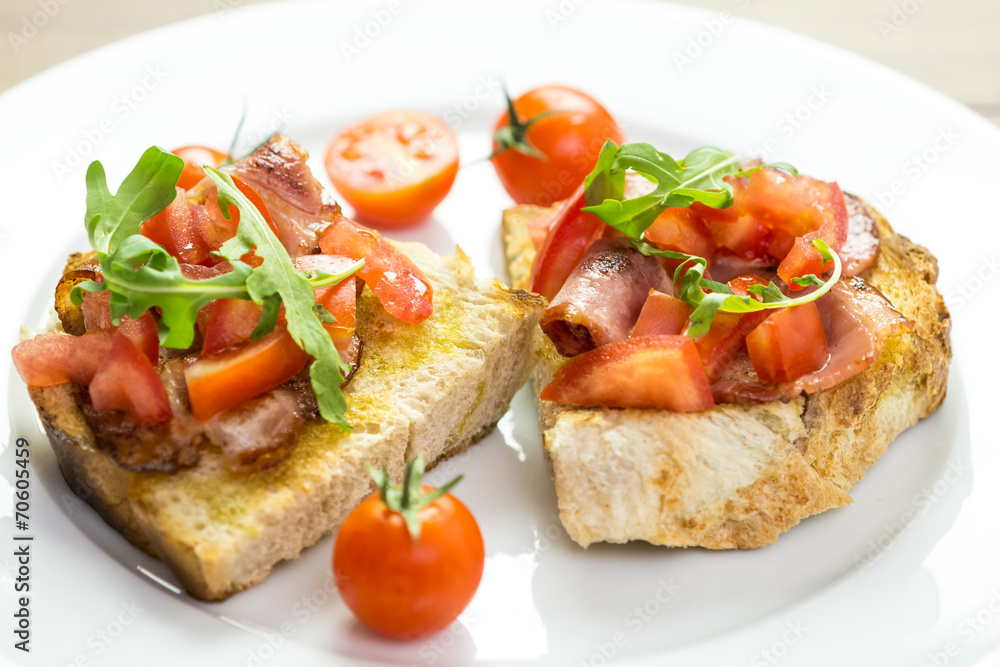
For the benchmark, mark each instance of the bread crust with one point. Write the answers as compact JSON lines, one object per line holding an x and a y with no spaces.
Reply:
{"x":433,"y":389}
{"x":738,"y":476}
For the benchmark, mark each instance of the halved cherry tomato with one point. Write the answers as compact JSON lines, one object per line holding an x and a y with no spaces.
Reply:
{"x":648,"y":372}
{"x":399,"y":285}
{"x":219,"y":382}
{"x":127,"y":381}
{"x":55,"y":358}
{"x":661,"y":315}
{"x":405,"y":587}
{"x":143,"y":332}
{"x":229,"y":323}
{"x":195,"y":157}
{"x":340,"y":300}
{"x":569,"y":137}
{"x":565,"y":245}
{"x":394,"y":168}
{"x":788,"y":344}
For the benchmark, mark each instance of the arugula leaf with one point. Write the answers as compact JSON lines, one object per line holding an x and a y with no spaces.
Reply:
{"x":696,"y":178}
{"x":277,"y":278}
{"x":691,"y":286}
{"x":146,"y":191}
{"x":141,"y":274}
{"x":783,"y":166}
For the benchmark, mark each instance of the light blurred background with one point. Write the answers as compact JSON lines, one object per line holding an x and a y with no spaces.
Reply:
{"x":951,"y":45}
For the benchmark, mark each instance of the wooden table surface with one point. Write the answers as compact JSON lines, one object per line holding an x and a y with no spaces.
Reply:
{"x":951,"y":45}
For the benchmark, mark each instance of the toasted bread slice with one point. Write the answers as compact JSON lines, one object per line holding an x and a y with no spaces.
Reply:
{"x":737,"y":476}
{"x":431,"y":389}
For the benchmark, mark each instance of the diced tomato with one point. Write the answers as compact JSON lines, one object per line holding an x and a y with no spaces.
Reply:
{"x":745,"y":237}
{"x":661,"y":315}
{"x":564,"y":246}
{"x":794,"y":206}
{"x":399,"y":285}
{"x":219,"y":382}
{"x":340,"y":300}
{"x":725,"y":339}
{"x":724,"y":216}
{"x":648,"y":372}
{"x":174,"y":228}
{"x":681,"y":230}
{"x":127,"y":381}
{"x":143,"y":332}
{"x":788,"y":344}
{"x":55,"y":358}
{"x":229,"y":323}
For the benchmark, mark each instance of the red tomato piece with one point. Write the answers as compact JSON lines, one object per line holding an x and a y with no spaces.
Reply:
{"x":404,"y":589}
{"x":174,"y":228}
{"x":143,"y":332}
{"x":570,"y":139}
{"x":724,"y":216}
{"x":726,"y":338}
{"x":55,"y":358}
{"x":783,"y":203}
{"x":788,"y":344}
{"x":649,"y":372}
{"x":340,"y":300}
{"x":394,"y":168}
{"x":195,"y":157}
{"x":219,"y":382}
{"x":567,"y":241}
{"x":127,"y":381}
{"x":229,"y":323}
{"x":681,"y":230}
{"x":399,"y":285}
{"x":744,"y":237}
{"x":661,"y":315}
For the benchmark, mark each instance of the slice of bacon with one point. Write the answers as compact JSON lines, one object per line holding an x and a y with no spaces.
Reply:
{"x":603,"y":296}
{"x":857,"y":320}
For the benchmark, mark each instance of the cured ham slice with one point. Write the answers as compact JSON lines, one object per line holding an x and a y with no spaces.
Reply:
{"x":857,"y":320}
{"x":603,"y":296}
{"x":860,"y":250}
{"x":299,"y":205}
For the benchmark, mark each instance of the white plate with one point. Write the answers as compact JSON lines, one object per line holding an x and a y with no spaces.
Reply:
{"x":908,"y":574}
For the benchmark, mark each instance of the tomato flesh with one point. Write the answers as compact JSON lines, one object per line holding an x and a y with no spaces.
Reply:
{"x":55,"y":358}
{"x":143,"y":332}
{"x":681,"y":230}
{"x":340,"y":300}
{"x":401,"y":589}
{"x":661,"y":315}
{"x":394,"y":168}
{"x":565,"y":245}
{"x":223,"y":381}
{"x":788,"y":344}
{"x":570,"y":138}
{"x":649,"y":372}
{"x":174,"y":228}
{"x":399,"y":285}
{"x":195,"y":157}
{"x":127,"y":381}
{"x":230,"y":323}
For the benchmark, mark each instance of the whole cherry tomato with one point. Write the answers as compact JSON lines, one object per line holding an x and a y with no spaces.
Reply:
{"x":408,"y":560}
{"x":548,"y":141}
